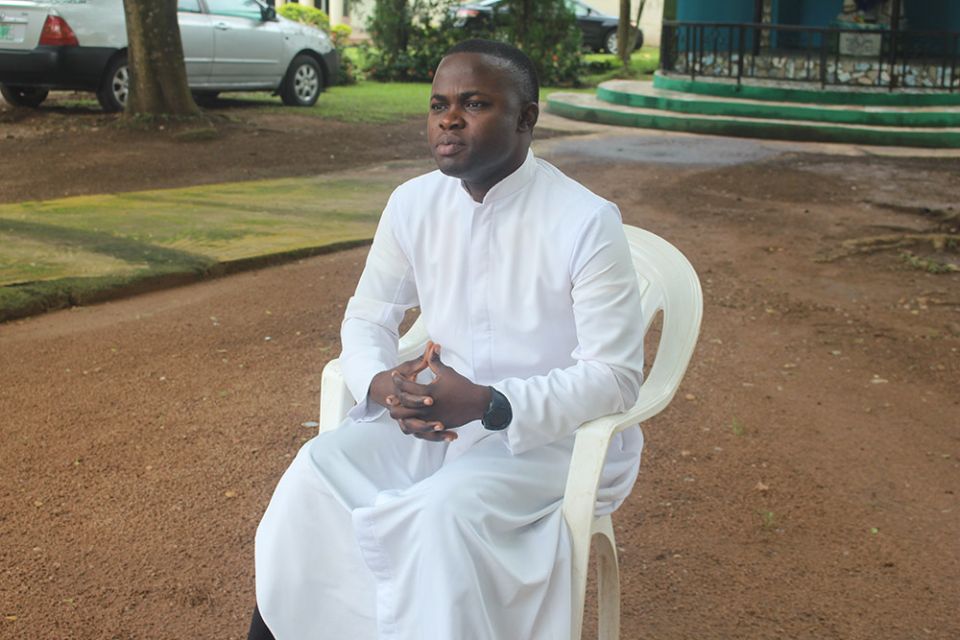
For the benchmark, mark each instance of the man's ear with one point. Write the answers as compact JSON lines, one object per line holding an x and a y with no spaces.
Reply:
{"x":529,"y":114}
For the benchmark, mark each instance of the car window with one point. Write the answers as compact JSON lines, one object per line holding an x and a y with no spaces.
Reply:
{"x":237,"y":8}
{"x":189,"y":6}
{"x":579,"y":9}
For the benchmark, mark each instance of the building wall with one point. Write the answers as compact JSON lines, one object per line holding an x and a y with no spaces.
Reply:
{"x":933,"y":15}
{"x":714,"y":11}
{"x":812,"y":13}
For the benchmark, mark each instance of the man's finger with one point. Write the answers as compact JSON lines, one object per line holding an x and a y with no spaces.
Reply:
{"x":434,"y":362}
{"x":406,"y":413}
{"x":401,"y":386}
{"x":437,"y":436}
{"x":417,"y":425}
{"x":410,"y":368}
{"x":412,"y":401}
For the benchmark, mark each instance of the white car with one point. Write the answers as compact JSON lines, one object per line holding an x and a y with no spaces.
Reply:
{"x":228,"y":45}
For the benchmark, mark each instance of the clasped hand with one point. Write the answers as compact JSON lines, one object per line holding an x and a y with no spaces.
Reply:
{"x":429,"y":411}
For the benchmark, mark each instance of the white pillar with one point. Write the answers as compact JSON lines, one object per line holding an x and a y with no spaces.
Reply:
{"x":308,"y":3}
{"x":336,"y":12}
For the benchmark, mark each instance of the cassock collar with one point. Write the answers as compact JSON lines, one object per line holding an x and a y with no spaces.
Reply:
{"x":509,"y":185}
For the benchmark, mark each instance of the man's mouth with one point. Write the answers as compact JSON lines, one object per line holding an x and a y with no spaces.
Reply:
{"x":449,"y":147}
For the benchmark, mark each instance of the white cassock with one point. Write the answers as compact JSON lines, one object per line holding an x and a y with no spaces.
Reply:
{"x":373,"y":534}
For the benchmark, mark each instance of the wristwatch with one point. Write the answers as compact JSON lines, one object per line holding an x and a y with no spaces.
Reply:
{"x":498,"y":414}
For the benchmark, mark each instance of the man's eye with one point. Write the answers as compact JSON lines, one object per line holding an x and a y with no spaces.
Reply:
{"x":437,"y":107}
{"x":473,"y":104}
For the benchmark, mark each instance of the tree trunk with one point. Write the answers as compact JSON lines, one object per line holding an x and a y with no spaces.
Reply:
{"x":623,"y":34}
{"x":640,"y":8}
{"x":524,"y":23}
{"x":158,"y":74}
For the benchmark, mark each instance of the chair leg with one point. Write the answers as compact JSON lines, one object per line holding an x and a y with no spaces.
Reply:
{"x":608,"y":582}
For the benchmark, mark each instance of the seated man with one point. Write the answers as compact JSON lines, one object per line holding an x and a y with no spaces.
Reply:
{"x":434,"y":512}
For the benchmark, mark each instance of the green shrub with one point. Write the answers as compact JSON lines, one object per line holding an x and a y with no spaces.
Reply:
{"x":340,"y":34}
{"x":547,"y":31}
{"x":409,"y":39}
{"x":306,"y":15}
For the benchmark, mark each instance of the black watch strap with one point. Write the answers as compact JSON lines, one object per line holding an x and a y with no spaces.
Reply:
{"x":499,"y":414}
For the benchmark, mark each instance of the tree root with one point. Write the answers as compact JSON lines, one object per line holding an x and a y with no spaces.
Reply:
{"x":947,"y":216}
{"x":941,"y":242}
{"x":927,"y":264}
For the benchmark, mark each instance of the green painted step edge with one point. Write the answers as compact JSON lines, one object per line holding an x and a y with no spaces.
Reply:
{"x":759,"y":129}
{"x":779,"y":111}
{"x":32,"y":298}
{"x":786,"y":94}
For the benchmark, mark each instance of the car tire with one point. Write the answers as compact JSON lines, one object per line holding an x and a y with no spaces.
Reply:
{"x":23,"y":96}
{"x":303,"y":83}
{"x":610,"y":41}
{"x":115,"y":86}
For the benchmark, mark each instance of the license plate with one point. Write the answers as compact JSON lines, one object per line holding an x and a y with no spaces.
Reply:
{"x":12,"y":32}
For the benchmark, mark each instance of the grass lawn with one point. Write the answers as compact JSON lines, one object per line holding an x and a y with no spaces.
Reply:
{"x":371,"y":101}
{"x":59,"y":252}
{"x":643,"y":62}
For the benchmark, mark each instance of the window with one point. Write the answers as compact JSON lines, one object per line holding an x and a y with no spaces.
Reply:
{"x":236,"y":8}
{"x":189,"y":6}
{"x":579,"y":9}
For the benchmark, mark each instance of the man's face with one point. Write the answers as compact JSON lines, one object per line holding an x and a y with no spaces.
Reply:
{"x":475,"y":128}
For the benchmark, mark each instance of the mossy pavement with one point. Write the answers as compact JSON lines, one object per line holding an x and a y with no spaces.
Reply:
{"x":57,"y":253}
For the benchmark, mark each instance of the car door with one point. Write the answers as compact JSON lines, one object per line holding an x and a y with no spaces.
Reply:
{"x":247,"y":50}
{"x":196,"y":33}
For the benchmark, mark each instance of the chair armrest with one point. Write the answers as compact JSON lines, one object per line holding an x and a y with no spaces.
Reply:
{"x":335,"y":398}
{"x":590,"y":452}
{"x":413,"y":342}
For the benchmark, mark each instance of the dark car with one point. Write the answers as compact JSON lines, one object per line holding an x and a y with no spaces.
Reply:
{"x":599,"y":30}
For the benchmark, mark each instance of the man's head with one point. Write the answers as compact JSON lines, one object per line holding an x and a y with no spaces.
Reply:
{"x":482,"y":112}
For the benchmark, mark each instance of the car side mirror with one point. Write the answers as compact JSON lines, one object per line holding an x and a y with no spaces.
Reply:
{"x":268,"y":14}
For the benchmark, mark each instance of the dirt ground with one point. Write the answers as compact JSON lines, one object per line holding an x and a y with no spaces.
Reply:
{"x":803,"y":483}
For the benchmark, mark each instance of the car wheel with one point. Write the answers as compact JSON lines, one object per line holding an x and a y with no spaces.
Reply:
{"x":115,"y":86}
{"x":610,"y":42}
{"x":23,"y":96}
{"x":303,"y":83}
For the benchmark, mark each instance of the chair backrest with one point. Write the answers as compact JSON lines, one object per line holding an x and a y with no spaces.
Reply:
{"x":667,"y":283}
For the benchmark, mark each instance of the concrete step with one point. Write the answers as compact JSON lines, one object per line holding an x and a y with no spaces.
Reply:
{"x":805,"y":92}
{"x":589,"y":108}
{"x":646,"y":95}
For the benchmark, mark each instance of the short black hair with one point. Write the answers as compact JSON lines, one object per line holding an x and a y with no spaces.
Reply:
{"x":524,"y":72}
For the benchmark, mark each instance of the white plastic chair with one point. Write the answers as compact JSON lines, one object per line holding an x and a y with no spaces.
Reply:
{"x":668,"y":283}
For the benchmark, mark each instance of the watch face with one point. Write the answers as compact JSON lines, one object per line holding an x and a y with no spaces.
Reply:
{"x":499,"y":414}
{"x":498,"y":418}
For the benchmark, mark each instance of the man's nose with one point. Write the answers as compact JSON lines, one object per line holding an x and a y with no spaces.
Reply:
{"x":452,"y":119}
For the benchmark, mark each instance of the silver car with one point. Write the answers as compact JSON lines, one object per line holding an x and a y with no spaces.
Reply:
{"x":228,"y":45}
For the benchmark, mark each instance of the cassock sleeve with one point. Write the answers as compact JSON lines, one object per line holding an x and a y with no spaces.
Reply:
{"x":608,"y":370}
{"x":370,"y":329}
